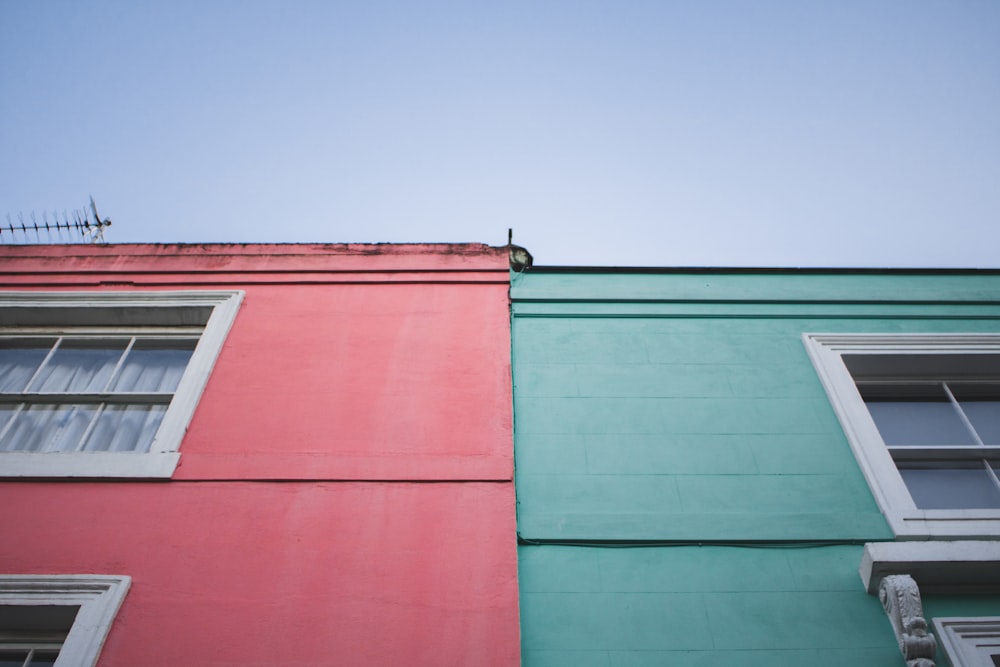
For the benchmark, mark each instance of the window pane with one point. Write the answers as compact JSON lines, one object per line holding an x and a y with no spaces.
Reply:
{"x":19,"y":360}
{"x":985,"y":418}
{"x":12,"y":658}
{"x":7,"y":411}
{"x":48,"y":428}
{"x":919,"y":423}
{"x":153,"y":367}
{"x":16,"y":658}
{"x":80,"y":366}
{"x":951,"y":487}
{"x":125,"y":428}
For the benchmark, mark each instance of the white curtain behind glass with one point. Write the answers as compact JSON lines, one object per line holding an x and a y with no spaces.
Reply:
{"x":74,"y":368}
{"x":152,"y":370}
{"x":125,"y":428}
{"x":48,"y":428}
{"x":88,"y":367}
{"x":18,"y":364}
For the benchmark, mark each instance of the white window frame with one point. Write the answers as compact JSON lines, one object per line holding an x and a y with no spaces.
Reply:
{"x":969,"y":641}
{"x":62,"y":312}
{"x":891,"y":494}
{"x":98,"y":596}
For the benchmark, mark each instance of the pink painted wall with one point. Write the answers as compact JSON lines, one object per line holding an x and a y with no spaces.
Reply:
{"x":299,"y":528}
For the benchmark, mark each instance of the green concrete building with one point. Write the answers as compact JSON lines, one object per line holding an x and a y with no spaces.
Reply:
{"x":757,"y":467}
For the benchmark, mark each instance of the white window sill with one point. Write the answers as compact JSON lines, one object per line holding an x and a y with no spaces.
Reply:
{"x":937,"y":566}
{"x":89,"y":464}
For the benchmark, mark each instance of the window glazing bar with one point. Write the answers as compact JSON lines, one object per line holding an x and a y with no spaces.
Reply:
{"x":90,"y":427}
{"x":118,"y":366}
{"x":122,"y":397}
{"x":6,"y":427}
{"x":48,"y":356}
{"x":962,"y":415}
{"x":992,"y":473}
{"x":943,"y":453}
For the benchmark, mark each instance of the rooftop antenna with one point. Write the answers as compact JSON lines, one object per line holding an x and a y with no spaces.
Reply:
{"x":86,"y":226}
{"x":97,"y":229}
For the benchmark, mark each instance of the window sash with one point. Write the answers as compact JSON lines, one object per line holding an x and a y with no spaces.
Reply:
{"x":97,"y":416}
{"x":845,"y":362}
{"x":98,"y":598}
{"x":202,"y":317}
{"x":132,"y":351}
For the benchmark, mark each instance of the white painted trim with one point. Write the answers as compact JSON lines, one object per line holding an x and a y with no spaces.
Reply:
{"x":98,"y":596}
{"x":938,"y":565}
{"x":122,"y":299}
{"x":65,"y":309}
{"x":175,"y":422}
{"x":952,"y":343}
{"x":888,"y":488}
{"x":967,"y":640}
{"x":89,"y":464}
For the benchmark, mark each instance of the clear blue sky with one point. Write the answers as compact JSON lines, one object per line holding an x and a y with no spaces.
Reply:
{"x":751,"y":133}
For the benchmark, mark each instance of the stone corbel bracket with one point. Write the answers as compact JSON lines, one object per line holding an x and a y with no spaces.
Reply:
{"x":900,"y":598}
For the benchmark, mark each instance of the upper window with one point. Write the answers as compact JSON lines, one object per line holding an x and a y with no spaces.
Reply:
{"x":922,"y":413}
{"x":104,"y":384}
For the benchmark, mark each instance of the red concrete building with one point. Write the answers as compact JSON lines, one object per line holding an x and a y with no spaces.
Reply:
{"x":256,"y":455}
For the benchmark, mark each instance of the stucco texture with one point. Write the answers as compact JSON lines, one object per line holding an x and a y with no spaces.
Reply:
{"x":686,"y":494}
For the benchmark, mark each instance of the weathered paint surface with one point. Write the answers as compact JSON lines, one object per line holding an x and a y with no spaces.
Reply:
{"x":257,"y":573}
{"x":384,"y":382}
{"x":682,"y":407}
{"x":300,"y":527}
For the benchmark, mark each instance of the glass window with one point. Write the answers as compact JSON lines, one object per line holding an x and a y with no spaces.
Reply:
{"x":933,"y":415}
{"x":88,"y":394}
{"x":48,"y":617}
{"x":921,"y":413}
{"x":98,"y":377}
{"x":919,"y":422}
{"x":950,"y":485}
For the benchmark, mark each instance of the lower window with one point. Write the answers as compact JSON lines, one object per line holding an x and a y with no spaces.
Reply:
{"x":970,"y":642}
{"x":34,"y":635}
{"x":57,"y":619}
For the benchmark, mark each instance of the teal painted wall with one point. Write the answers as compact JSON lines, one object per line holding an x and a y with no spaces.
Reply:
{"x":703,"y":606}
{"x":684,"y":408}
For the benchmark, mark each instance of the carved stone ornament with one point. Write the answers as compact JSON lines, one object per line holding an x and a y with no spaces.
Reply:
{"x":900,"y":598}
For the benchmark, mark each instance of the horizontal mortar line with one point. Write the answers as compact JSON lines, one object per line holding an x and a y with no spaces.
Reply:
{"x":661,"y":434}
{"x":188,"y":283}
{"x":752,"y":474}
{"x":705,"y":650}
{"x":765,"y":302}
{"x":662,"y":397}
{"x":341,"y":480}
{"x":745,"y":544}
{"x":755,"y":316}
{"x":779,"y":270}
{"x":748,"y":544}
{"x":694,"y":591}
{"x":235,"y":480}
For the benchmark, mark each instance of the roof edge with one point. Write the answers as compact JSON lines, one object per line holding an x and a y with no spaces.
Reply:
{"x":765,"y":270}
